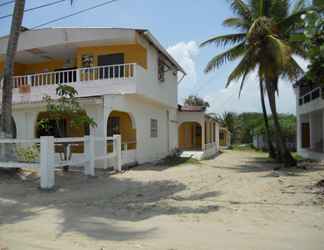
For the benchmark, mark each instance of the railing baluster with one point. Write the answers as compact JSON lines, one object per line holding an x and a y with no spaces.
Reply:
{"x":110,"y":72}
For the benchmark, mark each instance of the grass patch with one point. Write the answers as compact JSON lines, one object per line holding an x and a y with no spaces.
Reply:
{"x":299,"y":158}
{"x":243,"y":147}
{"x":176,"y":160}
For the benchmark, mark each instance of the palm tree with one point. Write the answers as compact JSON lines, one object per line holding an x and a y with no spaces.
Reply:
{"x":272,"y":151}
{"x":263,"y":44}
{"x":6,"y":108}
{"x":229,"y":121}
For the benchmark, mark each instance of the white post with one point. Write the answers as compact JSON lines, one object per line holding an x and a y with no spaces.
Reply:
{"x":126,"y":152}
{"x":78,"y":75}
{"x":89,"y":151}
{"x":29,"y":80}
{"x":47,"y":161}
{"x":117,"y":151}
{"x":203,"y":136}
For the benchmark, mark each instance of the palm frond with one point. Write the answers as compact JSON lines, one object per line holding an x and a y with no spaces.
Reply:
{"x":299,"y":49}
{"x":227,"y":56}
{"x":245,"y":66}
{"x":298,"y":6}
{"x":224,"y":40}
{"x":240,"y":8}
{"x":258,"y":8}
{"x":279,"y":50}
{"x":242,"y":83}
{"x":279,"y":9}
{"x":236,"y":22}
{"x":292,"y":71}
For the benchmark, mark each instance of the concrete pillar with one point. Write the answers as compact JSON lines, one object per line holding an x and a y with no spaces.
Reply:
{"x":99,"y":114}
{"x":203,"y":141}
{"x":47,"y":161}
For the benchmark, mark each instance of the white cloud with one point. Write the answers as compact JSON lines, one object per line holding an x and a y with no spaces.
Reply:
{"x":185,"y":54}
{"x":227,"y":99}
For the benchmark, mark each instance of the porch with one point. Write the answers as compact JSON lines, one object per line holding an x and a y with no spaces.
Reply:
{"x":311,"y":135}
{"x":197,"y":135}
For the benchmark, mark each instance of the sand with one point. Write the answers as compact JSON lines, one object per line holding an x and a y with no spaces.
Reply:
{"x":234,"y":201}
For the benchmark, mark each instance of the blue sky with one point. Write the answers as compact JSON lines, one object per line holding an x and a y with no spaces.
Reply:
{"x":180,"y":25}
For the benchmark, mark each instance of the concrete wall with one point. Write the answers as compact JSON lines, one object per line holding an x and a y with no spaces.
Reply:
{"x":140,"y":110}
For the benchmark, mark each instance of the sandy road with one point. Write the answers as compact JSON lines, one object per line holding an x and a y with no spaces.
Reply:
{"x":233,"y":202}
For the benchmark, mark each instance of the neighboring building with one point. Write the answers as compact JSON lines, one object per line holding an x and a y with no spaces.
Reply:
{"x":126,"y":81}
{"x":310,"y":120}
{"x":260,"y":142}
{"x":224,"y":137}
{"x":198,"y":132}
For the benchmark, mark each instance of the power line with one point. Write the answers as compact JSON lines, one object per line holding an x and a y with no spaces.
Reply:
{"x":73,"y":14}
{"x":37,"y":7}
{"x":6,"y":3}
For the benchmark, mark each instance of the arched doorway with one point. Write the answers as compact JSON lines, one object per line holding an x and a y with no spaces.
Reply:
{"x":190,"y":136}
{"x":122,"y":123}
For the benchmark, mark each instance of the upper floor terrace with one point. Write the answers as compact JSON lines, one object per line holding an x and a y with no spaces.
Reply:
{"x":96,"y":61}
{"x":310,"y":97}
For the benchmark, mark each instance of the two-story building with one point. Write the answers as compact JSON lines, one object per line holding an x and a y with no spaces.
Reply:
{"x":126,"y":81}
{"x":310,"y":120}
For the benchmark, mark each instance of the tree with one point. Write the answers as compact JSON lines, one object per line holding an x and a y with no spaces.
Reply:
{"x":194,"y":100}
{"x":66,"y":107}
{"x":263,"y":44}
{"x":313,"y":38}
{"x":229,"y":121}
{"x":272,"y":151}
{"x":6,"y":107}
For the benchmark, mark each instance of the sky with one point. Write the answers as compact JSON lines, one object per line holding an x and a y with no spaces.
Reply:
{"x":180,"y":26}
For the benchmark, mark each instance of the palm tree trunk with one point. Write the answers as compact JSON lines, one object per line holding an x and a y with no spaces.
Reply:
{"x":284,"y":154}
{"x":272,"y":151}
{"x":5,"y":124}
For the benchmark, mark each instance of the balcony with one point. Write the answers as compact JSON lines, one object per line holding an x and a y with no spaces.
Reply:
{"x":94,"y":81}
{"x":311,"y":95}
{"x":111,"y":72}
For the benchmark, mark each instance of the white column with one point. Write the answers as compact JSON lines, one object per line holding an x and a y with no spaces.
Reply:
{"x":89,"y":150}
{"x":47,"y":161}
{"x":203,"y":142}
{"x":118,"y":152}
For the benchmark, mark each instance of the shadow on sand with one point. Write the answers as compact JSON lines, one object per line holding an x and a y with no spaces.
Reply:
{"x":102,"y":208}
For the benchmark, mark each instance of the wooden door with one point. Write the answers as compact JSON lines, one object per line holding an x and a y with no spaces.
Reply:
{"x":109,"y":60}
{"x":305,"y":132}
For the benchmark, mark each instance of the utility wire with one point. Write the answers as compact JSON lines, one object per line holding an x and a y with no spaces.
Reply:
{"x":73,"y":14}
{"x":6,"y":3}
{"x":37,"y":7}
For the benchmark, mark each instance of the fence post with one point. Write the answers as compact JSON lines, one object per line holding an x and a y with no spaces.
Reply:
{"x":118,"y":152}
{"x":78,"y":75}
{"x":47,"y":161}
{"x":89,"y":150}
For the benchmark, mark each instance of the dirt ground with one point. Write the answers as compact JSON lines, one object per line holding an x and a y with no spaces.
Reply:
{"x":233,"y":202}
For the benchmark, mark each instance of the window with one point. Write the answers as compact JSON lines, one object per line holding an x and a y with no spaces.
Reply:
{"x":161,"y":71}
{"x":113,"y":126}
{"x":154,"y":128}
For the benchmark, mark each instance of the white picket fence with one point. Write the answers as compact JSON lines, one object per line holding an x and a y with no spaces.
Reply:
{"x":48,"y":161}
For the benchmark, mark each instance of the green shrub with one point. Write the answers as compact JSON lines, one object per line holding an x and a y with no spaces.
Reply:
{"x":28,"y":154}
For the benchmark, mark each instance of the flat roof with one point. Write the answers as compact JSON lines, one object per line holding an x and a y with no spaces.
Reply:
{"x":145,"y":32}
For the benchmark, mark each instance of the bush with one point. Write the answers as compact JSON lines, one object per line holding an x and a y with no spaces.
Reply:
{"x":28,"y":154}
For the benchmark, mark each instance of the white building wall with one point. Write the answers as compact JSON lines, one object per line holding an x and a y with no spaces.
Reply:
{"x":148,"y":148}
{"x":165,"y":92}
